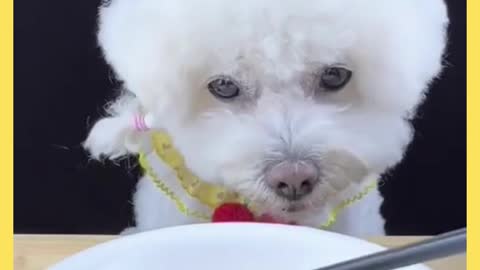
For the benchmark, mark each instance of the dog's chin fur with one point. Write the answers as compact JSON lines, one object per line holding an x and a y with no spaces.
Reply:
{"x":166,"y":52}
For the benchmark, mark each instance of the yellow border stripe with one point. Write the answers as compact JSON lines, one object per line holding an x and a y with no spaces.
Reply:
{"x":6,"y":139}
{"x":6,"y":134}
{"x":473,"y":133}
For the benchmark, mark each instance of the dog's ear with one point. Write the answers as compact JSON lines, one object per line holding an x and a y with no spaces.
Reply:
{"x":114,"y":135}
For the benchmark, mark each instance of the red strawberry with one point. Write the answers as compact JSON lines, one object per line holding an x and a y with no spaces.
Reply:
{"x":232,"y":212}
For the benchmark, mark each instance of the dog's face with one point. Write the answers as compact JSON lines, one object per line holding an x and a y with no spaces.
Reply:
{"x":286,"y":102}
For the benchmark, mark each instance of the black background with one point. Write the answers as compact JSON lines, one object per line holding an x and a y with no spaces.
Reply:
{"x":61,"y":84}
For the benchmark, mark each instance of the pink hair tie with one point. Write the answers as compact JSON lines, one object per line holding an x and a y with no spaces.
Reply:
{"x":139,"y":123}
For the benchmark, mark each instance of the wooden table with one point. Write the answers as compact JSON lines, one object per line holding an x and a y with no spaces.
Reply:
{"x":37,"y":252}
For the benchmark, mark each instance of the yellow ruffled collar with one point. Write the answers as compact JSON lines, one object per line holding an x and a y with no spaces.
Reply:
{"x":208,"y":194}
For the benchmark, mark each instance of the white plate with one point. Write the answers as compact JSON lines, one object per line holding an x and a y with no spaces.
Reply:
{"x":232,"y":246}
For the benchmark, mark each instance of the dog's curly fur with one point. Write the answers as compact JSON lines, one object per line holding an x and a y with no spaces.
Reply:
{"x":167,"y":51}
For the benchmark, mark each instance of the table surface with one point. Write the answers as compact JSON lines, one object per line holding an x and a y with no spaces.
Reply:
{"x":37,"y":252}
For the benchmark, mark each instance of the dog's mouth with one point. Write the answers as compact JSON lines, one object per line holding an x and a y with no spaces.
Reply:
{"x":287,"y":214}
{"x":295,"y":207}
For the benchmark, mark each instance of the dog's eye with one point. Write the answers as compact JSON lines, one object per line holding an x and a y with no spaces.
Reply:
{"x":335,"y":78}
{"x":224,"y":87}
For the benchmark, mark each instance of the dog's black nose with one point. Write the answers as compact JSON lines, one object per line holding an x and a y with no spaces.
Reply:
{"x":292,"y":181}
{"x":296,"y":190}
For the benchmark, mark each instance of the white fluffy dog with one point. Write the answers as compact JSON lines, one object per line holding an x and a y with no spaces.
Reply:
{"x":296,"y":105}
